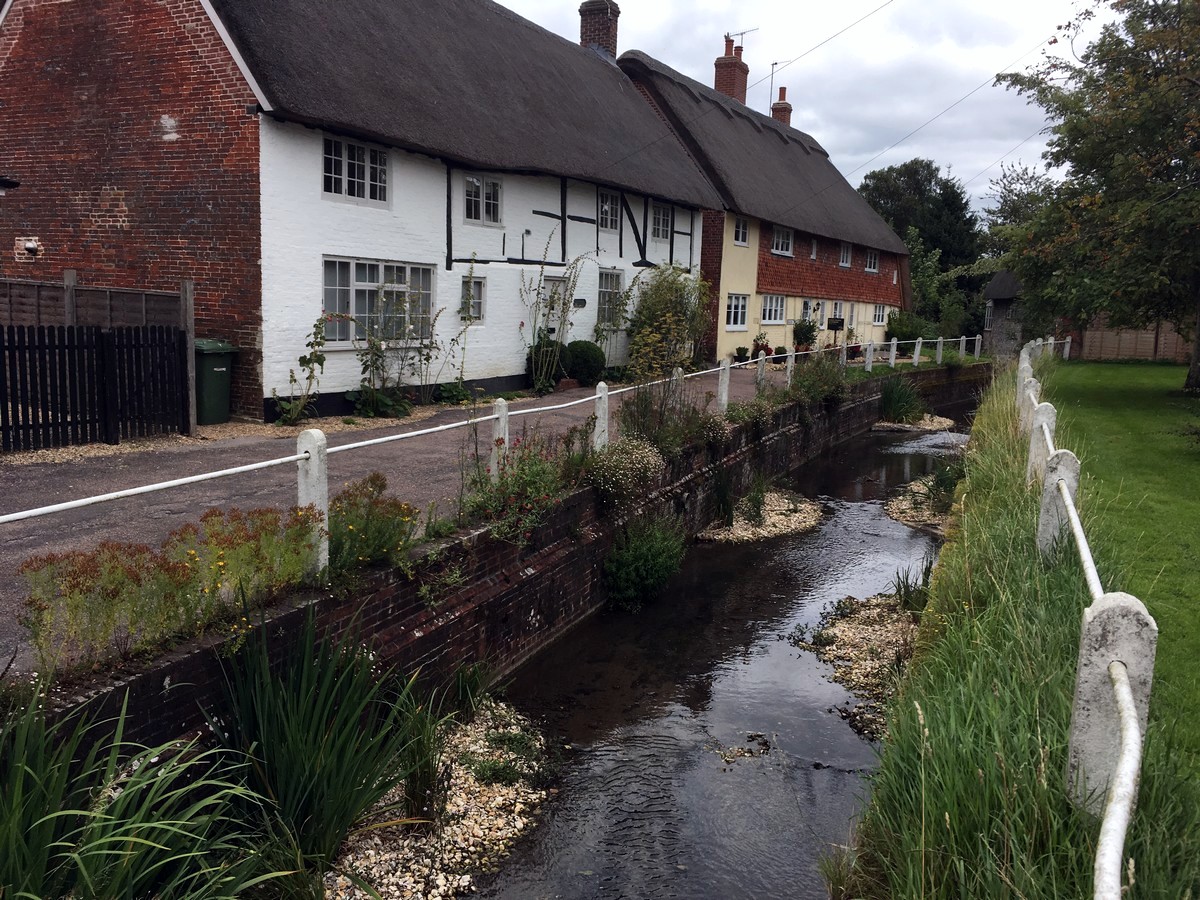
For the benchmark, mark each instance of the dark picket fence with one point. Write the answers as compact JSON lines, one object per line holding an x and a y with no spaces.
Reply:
{"x":62,"y":384}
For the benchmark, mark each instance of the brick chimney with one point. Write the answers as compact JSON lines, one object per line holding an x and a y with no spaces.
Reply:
{"x":731,"y":73}
{"x":781,"y":110}
{"x":598,"y":25}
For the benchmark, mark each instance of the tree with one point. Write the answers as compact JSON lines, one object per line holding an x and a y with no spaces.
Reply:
{"x":916,"y":194}
{"x":1018,"y":195}
{"x":1120,"y":235}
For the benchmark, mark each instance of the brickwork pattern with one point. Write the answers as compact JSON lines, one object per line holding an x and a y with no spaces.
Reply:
{"x":126,"y":122}
{"x":823,"y":278}
{"x":712,"y":243}
{"x":598,"y":24}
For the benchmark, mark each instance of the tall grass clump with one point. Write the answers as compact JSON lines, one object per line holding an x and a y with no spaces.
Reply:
{"x":899,"y":401}
{"x":820,"y":379}
{"x":970,"y":798}
{"x":83,"y":813}
{"x":367,"y":526}
{"x":647,"y":552}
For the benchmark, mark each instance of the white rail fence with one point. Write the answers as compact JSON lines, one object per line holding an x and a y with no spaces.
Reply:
{"x":1117,"y":643}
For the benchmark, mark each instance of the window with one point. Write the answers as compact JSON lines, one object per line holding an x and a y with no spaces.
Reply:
{"x":880,"y":313}
{"x":772,"y":309}
{"x":352,"y":170}
{"x":813,"y":253}
{"x":608,"y":302}
{"x":660,"y":222}
{"x":847,"y":255}
{"x":872,"y":260}
{"x":837,"y":309}
{"x":608,"y":212}
{"x":853,"y":313}
{"x":894,"y":276}
{"x":781,"y":242}
{"x":393,"y":301}
{"x":987,"y":316}
{"x":482,"y":200}
{"x":735,"y":312}
{"x":741,"y":232}
{"x":471,"y":307}
{"x":806,"y":310}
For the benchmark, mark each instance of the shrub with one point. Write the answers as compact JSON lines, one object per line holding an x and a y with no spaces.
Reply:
{"x":625,"y":471}
{"x":526,"y":487}
{"x":366,"y":526}
{"x":453,"y":392}
{"x":669,"y":324}
{"x":908,"y":326}
{"x":952,"y":361}
{"x":820,"y":379}
{"x":899,"y":401}
{"x":663,"y":414}
{"x":647,"y":552}
{"x":780,"y":351}
{"x":756,"y":412}
{"x":545,"y":363}
{"x":586,"y":362}
{"x":804,"y":332}
{"x":755,"y":500}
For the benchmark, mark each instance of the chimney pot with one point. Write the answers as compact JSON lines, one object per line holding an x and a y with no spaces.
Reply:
{"x":598,"y":25}
{"x":731,"y":73}
{"x":728,"y":46}
{"x":782,"y":94}
{"x":737,"y":51}
{"x":781,"y":110}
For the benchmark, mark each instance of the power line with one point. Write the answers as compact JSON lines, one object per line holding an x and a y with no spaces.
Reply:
{"x":1040,"y":129}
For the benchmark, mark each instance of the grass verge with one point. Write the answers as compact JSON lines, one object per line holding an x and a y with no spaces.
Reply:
{"x":970,"y":797}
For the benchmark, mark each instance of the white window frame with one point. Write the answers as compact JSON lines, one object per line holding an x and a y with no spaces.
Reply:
{"x":472,"y":305}
{"x":872,"y":260}
{"x":608,"y":210}
{"x":736,"y":306}
{"x":846,"y":259}
{"x":895,"y":276}
{"x":806,"y":310}
{"x":358,"y":287}
{"x":741,"y":226}
{"x":660,"y":222}
{"x":488,"y":202}
{"x":837,"y":310}
{"x":850,"y":320}
{"x":608,"y":294}
{"x":354,"y":172}
{"x":774,"y":307}
{"x":987,"y":316}
{"x":880,"y":316}
{"x":782,"y":239}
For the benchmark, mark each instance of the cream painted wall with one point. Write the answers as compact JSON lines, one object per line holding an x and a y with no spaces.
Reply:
{"x":739,"y":275}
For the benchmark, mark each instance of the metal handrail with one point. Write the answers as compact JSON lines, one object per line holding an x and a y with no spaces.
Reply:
{"x":1122,"y":790}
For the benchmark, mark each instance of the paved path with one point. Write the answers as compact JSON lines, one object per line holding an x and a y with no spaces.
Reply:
{"x":420,"y":470}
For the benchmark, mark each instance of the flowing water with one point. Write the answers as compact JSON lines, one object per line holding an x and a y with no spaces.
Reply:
{"x":650,"y":707}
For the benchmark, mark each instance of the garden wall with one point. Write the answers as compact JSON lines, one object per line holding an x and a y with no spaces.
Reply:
{"x":491,"y":600}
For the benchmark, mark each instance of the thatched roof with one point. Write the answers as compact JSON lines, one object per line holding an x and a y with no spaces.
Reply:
{"x":1003,"y":286}
{"x":761,"y":167}
{"x":463,"y":80}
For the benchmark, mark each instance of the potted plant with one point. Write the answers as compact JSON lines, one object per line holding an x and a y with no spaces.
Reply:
{"x":780,"y":352}
{"x":741,"y":354}
{"x":853,"y":347}
{"x":804,"y":333}
{"x":761,"y":345}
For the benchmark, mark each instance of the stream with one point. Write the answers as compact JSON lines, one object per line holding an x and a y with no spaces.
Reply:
{"x":651,"y":708}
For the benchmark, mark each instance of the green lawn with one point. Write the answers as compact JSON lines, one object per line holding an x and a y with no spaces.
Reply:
{"x":1126,"y":422}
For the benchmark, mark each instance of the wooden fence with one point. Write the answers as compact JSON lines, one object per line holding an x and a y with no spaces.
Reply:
{"x":78,"y":384}
{"x":68,"y":303}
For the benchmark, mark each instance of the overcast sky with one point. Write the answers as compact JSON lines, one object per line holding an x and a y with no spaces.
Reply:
{"x":867,"y":88}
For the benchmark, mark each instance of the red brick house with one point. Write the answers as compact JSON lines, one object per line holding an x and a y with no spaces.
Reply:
{"x":793,"y":239}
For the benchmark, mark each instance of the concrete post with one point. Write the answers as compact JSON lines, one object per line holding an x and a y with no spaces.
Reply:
{"x":676,"y":382}
{"x":1024,"y":373}
{"x":723,"y":387}
{"x":1115,"y":627}
{"x":1044,"y":414}
{"x":600,"y":431}
{"x":892,"y":355}
{"x":1038,"y":349}
{"x":791,"y":364}
{"x":1027,"y":403}
{"x":842,"y":355}
{"x":1067,"y":348}
{"x":312,"y":489}
{"x":499,"y":436}
{"x":760,"y":371}
{"x":869,"y":356}
{"x":962,"y":347}
{"x":1025,"y":358}
{"x":917,"y":353}
{"x":978,"y":345}
{"x":1063,"y":465}
{"x":937,"y":357}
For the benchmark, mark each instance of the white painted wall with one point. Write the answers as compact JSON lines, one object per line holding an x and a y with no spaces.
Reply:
{"x":301,"y":226}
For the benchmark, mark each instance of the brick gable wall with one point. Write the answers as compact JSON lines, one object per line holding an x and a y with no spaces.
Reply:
{"x":823,"y":278}
{"x":712,"y":243}
{"x":126,"y":122}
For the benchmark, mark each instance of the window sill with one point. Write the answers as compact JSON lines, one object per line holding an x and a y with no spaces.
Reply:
{"x":871,"y":271}
{"x":737,"y":327}
{"x":775,"y":252}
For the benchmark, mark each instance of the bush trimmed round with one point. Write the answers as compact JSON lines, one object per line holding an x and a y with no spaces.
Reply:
{"x":585,"y":362}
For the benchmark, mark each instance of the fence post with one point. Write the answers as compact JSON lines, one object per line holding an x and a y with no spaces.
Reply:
{"x":1038,"y":348}
{"x":791,"y":364}
{"x":1027,"y":402}
{"x":1025,"y":358}
{"x":1117,"y":627}
{"x":962,"y":346}
{"x":723,"y":387}
{"x":917,"y":353}
{"x":312,"y":489}
{"x":892,"y":355}
{"x":1067,"y":348}
{"x":1063,"y":465}
{"x":70,"y":281}
{"x":938,"y":354}
{"x":110,"y":421}
{"x":187,"y":321}
{"x":760,"y":372}
{"x":1044,"y":414}
{"x":842,"y":355}
{"x":869,"y":356}
{"x":600,"y":429}
{"x":677,"y":382}
{"x":978,"y":345}
{"x":1024,"y":373}
{"x":499,"y":436}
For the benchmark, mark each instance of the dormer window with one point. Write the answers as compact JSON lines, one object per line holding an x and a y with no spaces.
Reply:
{"x":781,"y":241}
{"x":355,"y":171}
{"x":741,"y":232}
{"x":847,"y":256}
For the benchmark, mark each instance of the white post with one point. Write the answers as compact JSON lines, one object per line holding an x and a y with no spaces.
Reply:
{"x":499,"y":436}
{"x":600,"y":431}
{"x":1030,"y":397}
{"x":1044,"y":415}
{"x":1067,"y":348}
{"x":962,"y":346}
{"x":1115,"y":627}
{"x":869,"y":356}
{"x":892,"y":355}
{"x":842,"y":355}
{"x":760,"y":372}
{"x":1063,"y":465}
{"x":723,"y":387}
{"x":1024,"y":373}
{"x":676,"y":382}
{"x":978,"y":345}
{"x":917,"y":353}
{"x":1038,"y":348}
{"x":937,"y":358}
{"x":791,"y":364}
{"x":312,"y":489}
